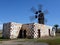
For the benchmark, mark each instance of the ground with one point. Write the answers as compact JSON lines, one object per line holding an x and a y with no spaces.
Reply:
{"x":15,"y":42}
{"x":42,"y":41}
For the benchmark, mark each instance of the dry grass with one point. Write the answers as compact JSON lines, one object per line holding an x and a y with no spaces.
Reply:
{"x":50,"y":40}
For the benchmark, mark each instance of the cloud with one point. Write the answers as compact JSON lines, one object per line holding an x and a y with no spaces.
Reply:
{"x":1,"y":26}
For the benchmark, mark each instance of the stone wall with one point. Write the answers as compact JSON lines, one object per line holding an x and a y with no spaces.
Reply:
{"x":15,"y":28}
{"x":30,"y":29}
{"x":11,"y":30}
{"x":6,"y":30}
{"x":44,"y":30}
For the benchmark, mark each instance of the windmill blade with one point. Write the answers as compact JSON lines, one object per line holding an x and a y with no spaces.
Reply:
{"x":36,"y":16}
{"x":33,"y":10}
{"x":45,"y":20}
{"x":32,"y":18}
{"x":45,"y":11}
{"x":40,"y":7}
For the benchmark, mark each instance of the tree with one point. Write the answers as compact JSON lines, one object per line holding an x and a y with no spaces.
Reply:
{"x":56,"y":27}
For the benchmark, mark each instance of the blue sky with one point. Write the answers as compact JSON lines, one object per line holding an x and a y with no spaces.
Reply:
{"x":20,"y":11}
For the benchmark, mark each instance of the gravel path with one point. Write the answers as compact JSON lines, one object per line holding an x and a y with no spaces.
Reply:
{"x":21,"y":43}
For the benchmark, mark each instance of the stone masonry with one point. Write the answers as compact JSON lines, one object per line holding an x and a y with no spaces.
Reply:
{"x":32,"y":30}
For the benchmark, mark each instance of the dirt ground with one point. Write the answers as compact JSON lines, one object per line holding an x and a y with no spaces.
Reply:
{"x":14,"y":42}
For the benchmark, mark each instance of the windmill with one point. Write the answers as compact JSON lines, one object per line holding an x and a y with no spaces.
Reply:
{"x":39,"y":14}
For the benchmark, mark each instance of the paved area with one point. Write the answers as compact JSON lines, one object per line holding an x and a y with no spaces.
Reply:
{"x":21,"y":43}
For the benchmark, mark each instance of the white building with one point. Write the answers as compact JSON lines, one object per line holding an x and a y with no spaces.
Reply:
{"x":32,"y":30}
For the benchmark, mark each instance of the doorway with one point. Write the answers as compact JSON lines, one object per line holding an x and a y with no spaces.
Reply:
{"x":38,"y":33}
{"x":20,"y":34}
{"x":24,"y":33}
{"x":49,"y":31}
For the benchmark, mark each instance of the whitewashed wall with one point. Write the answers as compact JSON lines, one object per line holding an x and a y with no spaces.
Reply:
{"x":44,"y":30}
{"x":15,"y":28}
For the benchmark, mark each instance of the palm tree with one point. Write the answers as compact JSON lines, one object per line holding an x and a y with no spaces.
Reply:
{"x":56,"y":27}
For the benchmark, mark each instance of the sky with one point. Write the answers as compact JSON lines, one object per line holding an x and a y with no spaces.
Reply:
{"x":20,"y":11}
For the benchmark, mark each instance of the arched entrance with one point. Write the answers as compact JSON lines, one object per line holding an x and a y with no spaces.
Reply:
{"x":22,"y":34}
